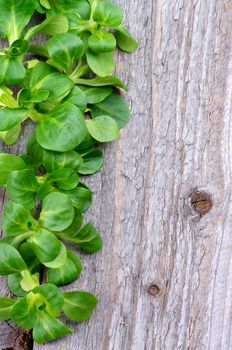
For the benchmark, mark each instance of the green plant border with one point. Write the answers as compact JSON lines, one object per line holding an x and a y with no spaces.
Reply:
{"x":67,"y":88}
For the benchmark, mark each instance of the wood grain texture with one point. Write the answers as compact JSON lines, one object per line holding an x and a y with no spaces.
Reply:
{"x":180,"y":89}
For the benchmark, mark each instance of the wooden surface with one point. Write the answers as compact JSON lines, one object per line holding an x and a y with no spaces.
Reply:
{"x":178,"y":141}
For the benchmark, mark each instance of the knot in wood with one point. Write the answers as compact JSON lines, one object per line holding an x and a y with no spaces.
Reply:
{"x":154,"y":290}
{"x":201,"y":202}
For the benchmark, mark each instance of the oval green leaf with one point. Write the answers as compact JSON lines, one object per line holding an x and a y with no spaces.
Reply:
{"x":65,"y":179}
{"x":12,"y":70}
{"x":67,"y":273}
{"x":125,"y":40}
{"x":102,"y":42}
{"x":24,"y":313}
{"x":60,"y":160}
{"x":48,"y":249}
{"x":43,"y":77}
{"x":96,"y":95}
{"x":101,"y":64}
{"x":103,"y":128}
{"x":11,"y":261}
{"x":108,"y":14}
{"x":22,"y":187}
{"x":9,"y":163}
{"x":57,"y":212}
{"x":63,"y":130}
{"x":10,"y":117}
{"x":64,"y":49}
{"x":81,"y":198}
{"x":79,"y":306}
{"x":115,"y":106}
{"x":16,"y":219}
{"x":49,"y":328}
{"x":92,"y":162}
{"x":77,"y":97}
{"x":88,"y":238}
{"x":5,"y":307}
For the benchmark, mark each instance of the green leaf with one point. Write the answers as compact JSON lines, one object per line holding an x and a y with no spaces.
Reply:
{"x":22,"y":187}
{"x":77,"y":97}
{"x":81,"y":7}
{"x":29,"y":257}
{"x":67,"y":273}
{"x":93,"y":161}
{"x":76,"y":224}
{"x":103,"y":128}
{"x":15,"y":14}
{"x":48,"y":249}
{"x":64,"y":49}
{"x":80,"y":26}
{"x":8,"y":239}
{"x":10,"y":117}
{"x":39,"y":50}
{"x":41,"y":5}
{"x":102,"y":42}
{"x":45,"y":3}
{"x":5,"y":307}
{"x":52,"y":296}
{"x":57,"y":160}
{"x":45,"y":189}
{"x":49,"y":328}
{"x":29,"y":161}
{"x":57,"y":212}
{"x":29,"y":281}
{"x":35,"y":150}
{"x":7,"y":98}
{"x":102,"y":81}
{"x":87,"y":143}
{"x":88,"y":238}
{"x":11,"y":136}
{"x":25,"y":96}
{"x":19,"y":47}
{"x":115,"y":106}
{"x":8,"y":163}
{"x":125,"y":40}
{"x":65,"y":179}
{"x":14,"y":284}
{"x":101,"y":64}
{"x":63,"y":130}
{"x":16,"y":219}
{"x":12,"y":70}
{"x":98,"y":94}
{"x":11,"y":261}
{"x":52,"y":25}
{"x":24,"y":313}
{"x":108,"y":14}
{"x":81,"y":198}
{"x":44,"y":77}
{"x":79,"y":306}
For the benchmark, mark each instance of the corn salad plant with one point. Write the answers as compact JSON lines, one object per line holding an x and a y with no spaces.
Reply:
{"x":67,"y":88}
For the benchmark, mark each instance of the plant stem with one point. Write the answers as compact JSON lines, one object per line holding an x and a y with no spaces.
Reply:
{"x":7,"y":99}
{"x":29,"y":282}
{"x":78,"y":73}
{"x":21,"y":238}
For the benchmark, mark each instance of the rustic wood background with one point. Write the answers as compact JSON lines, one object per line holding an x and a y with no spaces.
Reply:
{"x":178,"y":141}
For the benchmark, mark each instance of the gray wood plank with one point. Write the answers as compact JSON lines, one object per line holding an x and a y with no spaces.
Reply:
{"x":177,"y":141}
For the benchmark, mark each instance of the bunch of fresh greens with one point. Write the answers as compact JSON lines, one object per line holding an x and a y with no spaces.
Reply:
{"x":67,"y":88}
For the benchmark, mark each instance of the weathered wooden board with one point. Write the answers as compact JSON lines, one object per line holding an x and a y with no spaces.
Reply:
{"x":180,"y":90}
